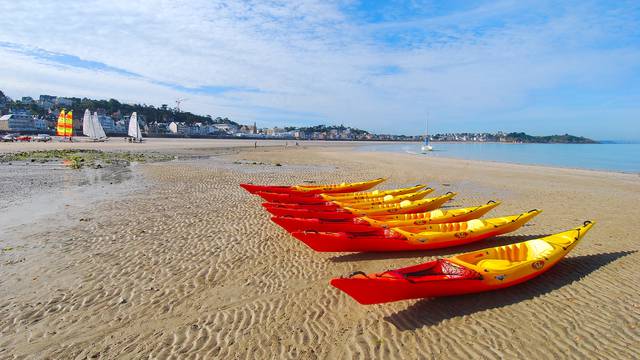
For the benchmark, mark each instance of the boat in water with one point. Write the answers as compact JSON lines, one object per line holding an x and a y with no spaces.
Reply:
{"x":426,"y":147}
{"x":92,"y":128}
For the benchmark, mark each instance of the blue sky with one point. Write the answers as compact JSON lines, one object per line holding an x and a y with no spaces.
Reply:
{"x":543,"y":67}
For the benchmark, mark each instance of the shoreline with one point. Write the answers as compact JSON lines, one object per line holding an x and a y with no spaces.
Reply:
{"x":544,"y":166}
{"x":194,"y":145}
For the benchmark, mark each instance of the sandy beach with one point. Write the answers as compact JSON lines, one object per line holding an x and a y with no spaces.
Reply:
{"x":180,"y":262}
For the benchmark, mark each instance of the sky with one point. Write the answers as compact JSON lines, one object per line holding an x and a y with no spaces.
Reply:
{"x":543,"y":67}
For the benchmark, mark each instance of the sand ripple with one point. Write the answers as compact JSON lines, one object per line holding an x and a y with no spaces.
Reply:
{"x":194,"y":269}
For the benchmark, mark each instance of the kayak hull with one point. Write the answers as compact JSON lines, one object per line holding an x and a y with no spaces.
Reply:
{"x":353,"y":225}
{"x":376,"y":242}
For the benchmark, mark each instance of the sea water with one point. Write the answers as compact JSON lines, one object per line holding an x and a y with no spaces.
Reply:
{"x":608,"y":156}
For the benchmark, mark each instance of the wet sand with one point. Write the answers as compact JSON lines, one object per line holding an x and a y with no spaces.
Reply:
{"x":193,"y":268}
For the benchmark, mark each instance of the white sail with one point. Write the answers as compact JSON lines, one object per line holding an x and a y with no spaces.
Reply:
{"x":88,"y":128}
{"x":134,"y":128}
{"x":426,"y":146}
{"x":100,"y":134}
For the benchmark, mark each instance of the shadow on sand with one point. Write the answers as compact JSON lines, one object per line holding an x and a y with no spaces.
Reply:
{"x":428,"y":312}
{"x":482,"y":244}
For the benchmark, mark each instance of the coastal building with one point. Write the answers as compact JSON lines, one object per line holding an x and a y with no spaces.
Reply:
{"x":40,"y":124}
{"x":226,"y":128}
{"x":27,"y":100}
{"x":19,"y":120}
{"x":120,"y":127}
{"x":107,"y":123}
{"x":46,"y":101}
{"x":275,"y":131}
{"x":299,"y":134}
{"x":158,"y":128}
{"x":60,"y":101}
{"x":247,"y":130}
{"x":177,"y":127}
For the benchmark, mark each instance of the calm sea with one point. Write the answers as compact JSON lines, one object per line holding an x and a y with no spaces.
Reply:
{"x":609,"y":157}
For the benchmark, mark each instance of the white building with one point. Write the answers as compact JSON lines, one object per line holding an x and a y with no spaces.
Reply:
{"x":226,"y":128}
{"x":19,"y":120}
{"x":177,"y":128}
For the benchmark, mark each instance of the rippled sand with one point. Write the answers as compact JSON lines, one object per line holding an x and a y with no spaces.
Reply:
{"x":195,"y":269}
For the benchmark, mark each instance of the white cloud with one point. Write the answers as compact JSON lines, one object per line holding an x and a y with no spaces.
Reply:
{"x":311,"y":61}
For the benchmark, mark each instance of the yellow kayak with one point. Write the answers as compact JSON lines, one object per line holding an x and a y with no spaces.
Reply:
{"x":389,"y":199}
{"x":437,"y":216}
{"x":449,"y":233}
{"x":403,"y":207}
{"x":353,"y":196}
{"x":482,"y":270}
{"x":374,"y":224}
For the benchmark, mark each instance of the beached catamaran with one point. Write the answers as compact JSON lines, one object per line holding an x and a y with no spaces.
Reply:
{"x":92,"y":128}
{"x":64,"y":127}
{"x":134,"y":128}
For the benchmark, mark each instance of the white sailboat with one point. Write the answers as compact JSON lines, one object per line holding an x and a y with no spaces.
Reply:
{"x":91,"y":127}
{"x":98,"y":127}
{"x":426,"y":147}
{"x":134,"y":128}
{"x":87,"y":125}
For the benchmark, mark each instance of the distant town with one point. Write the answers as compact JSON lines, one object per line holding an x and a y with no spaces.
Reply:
{"x":30,"y":115}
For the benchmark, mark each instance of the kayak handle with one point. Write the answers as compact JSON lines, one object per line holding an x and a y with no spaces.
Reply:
{"x":358,"y":273}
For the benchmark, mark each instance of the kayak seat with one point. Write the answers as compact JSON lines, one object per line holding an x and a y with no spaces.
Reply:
{"x":439,"y":270}
{"x":475,"y":224}
{"x":538,"y":248}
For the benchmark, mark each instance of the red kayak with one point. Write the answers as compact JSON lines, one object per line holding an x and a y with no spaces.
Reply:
{"x":326,"y":206}
{"x":394,"y":195}
{"x":291,"y":198}
{"x":354,"y":225}
{"x":314,"y":189}
{"x":331,"y":212}
{"x":305,"y":213}
{"x":432,"y":236}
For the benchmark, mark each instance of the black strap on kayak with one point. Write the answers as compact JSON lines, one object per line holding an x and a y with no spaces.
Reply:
{"x":587,"y":222}
{"x":358,"y":273}
{"x":516,"y":219}
{"x":488,"y":202}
